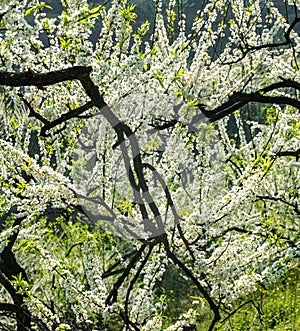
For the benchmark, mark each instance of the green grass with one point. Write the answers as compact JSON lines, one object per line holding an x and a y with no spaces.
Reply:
{"x":275,"y":308}
{"x":272,"y":308}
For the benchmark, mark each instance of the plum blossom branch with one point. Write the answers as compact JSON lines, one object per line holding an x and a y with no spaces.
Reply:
{"x":287,"y":203}
{"x":248,"y":48}
{"x":238,"y":99}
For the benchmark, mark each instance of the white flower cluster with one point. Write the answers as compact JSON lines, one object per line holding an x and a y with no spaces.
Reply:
{"x":232,"y":186}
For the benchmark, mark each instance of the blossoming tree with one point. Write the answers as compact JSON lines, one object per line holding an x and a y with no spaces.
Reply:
{"x":148,"y":152}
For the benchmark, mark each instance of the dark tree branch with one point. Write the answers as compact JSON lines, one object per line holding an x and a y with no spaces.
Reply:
{"x":32,"y":112}
{"x":237,"y":309}
{"x":114,"y":292}
{"x":287,"y":37}
{"x":201,"y":289}
{"x":65,"y":117}
{"x":30,"y":78}
{"x":132,"y":282}
{"x":295,"y":154}
{"x":73,"y":113}
{"x":172,"y":206}
{"x":23,"y":316}
{"x":294,"y":206}
{"x":238,"y":100}
{"x":248,"y":49}
{"x":166,"y":124}
{"x":111,"y":270}
{"x":9,"y":307}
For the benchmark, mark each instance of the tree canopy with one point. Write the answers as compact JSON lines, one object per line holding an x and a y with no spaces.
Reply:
{"x":143,"y":159}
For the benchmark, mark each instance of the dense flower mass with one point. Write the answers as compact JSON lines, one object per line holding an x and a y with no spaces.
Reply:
{"x":133,"y":154}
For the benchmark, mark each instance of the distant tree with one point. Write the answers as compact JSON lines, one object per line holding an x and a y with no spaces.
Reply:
{"x":118,"y":169}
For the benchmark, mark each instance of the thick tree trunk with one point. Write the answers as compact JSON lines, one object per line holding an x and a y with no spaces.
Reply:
{"x":9,"y":269}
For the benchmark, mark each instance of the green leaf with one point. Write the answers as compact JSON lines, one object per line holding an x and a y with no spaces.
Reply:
{"x":29,"y":11}
{"x":96,"y":9}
